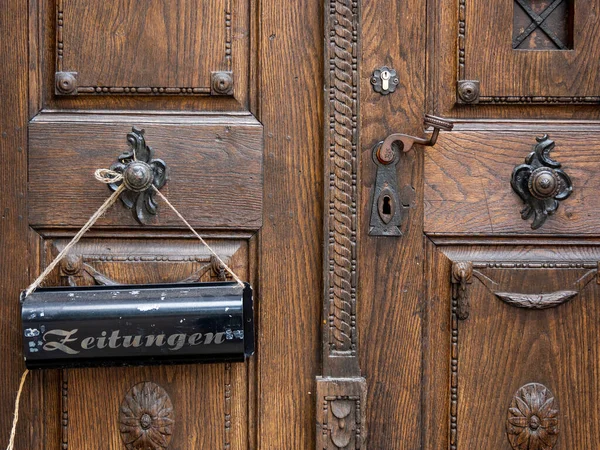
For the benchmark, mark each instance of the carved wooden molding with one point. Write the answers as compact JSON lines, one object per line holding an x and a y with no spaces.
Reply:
{"x":507,"y":99}
{"x":341,"y":393}
{"x":532,"y":422}
{"x":64,"y":409}
{"x":462,"y":275}
{"x":341,"y":169}
{"x":146,"y":418}
{"x":536,"y":301}
{"x":133,"y":90}
{"x":76,"y":270}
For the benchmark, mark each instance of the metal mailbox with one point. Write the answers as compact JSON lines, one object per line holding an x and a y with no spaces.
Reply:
{"x":135,"y":325}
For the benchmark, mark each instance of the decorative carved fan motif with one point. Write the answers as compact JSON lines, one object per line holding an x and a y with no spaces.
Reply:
{"x":146,"y":418}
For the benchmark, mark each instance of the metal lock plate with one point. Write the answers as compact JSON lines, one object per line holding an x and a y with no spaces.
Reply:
{"x":384,"y":80}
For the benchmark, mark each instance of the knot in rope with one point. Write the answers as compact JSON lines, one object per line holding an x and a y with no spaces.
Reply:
{"x":108,"y":176}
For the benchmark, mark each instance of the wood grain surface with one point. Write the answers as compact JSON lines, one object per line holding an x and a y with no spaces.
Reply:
{"x":146,"y":43}
{"x":502,"y":71}
{"x":467,"y":183}
{"x":13,"y":207}
{"x":390,"y":269}
{"x":290,"y":109}
{"x":214,"y":170}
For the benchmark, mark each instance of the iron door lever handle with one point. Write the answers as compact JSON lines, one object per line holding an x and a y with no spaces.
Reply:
{"x":387,"y":210}
{"x":386,"y":153}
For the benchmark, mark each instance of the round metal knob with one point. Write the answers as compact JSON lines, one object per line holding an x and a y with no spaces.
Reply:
{"x":544,"y":183}
{"x":138,"y":176}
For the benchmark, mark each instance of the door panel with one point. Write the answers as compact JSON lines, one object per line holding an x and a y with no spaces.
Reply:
{"x":214,"y":168}
{"x":509,"y":346}
{"x":468,"y":180}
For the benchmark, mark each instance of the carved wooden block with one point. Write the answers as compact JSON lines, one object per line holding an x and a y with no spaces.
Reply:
{"x":341,"y":404}
{"x":146,"y":418}
{"x":526,"y":303}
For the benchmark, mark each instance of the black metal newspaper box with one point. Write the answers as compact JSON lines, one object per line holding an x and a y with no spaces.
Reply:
{"x":133,"y":324}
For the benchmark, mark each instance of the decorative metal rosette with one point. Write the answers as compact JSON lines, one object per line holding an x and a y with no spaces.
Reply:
{"x":532,"y":422}
{"x":146,"y":418}
{"x":540,"y":183}
{"x":140,"y":172}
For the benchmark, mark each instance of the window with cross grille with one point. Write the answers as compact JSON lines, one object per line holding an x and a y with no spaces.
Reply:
{"x":543,"y":25}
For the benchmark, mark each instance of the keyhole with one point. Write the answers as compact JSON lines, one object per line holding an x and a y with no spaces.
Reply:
{"x":387,"y":208}
{"x":386,"y":205}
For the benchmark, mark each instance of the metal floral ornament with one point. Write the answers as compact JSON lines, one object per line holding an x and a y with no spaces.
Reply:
{"x":540,"y":183}
{"x":140,"y":173}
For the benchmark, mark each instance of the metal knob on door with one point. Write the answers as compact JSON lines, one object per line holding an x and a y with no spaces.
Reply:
{"x":386,"y":210}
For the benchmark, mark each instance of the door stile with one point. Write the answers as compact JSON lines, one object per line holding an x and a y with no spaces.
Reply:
{"x":13,"y":201}
{"x":341,"y":390}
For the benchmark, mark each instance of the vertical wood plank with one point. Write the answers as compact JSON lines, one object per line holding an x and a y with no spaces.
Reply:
{"x":291,"y":43}
{"x":391,"y":268}
{"x":13,"y":220}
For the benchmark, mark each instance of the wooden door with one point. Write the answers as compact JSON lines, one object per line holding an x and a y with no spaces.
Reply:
{"x":465,"y":329}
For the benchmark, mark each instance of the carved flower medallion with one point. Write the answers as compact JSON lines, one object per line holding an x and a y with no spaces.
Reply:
{"x":146,"y":418}
{"x":532,"y":422}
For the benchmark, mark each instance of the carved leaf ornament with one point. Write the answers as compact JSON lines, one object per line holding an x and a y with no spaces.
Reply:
{"x":532,"y":422}
{"x":146,"y":418}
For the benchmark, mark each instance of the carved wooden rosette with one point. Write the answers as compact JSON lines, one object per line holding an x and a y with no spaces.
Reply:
{"x":532,"y":422}
{"x":341,"y":392}
{"x":146,"y":418}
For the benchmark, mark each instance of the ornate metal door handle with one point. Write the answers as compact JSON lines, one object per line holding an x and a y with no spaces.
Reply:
{"x":540,"y":183}
{"x":386,"y":210}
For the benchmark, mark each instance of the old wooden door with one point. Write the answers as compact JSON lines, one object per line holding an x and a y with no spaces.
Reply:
{"x":436,"y":319}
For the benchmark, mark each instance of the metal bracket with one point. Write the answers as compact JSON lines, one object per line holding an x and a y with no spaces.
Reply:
{"x":386,"y":209}
{"x":140,"y":172}
{"x":468,"y":91}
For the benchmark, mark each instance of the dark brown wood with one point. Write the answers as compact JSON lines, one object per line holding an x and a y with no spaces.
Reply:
{"x":290,"y":278}
{"x":152,"y":47}
{"x":222,"y":414}
{"x":391,"y":279}
{"x":448,"y":325}
{"x":531,"y":75}
{"x":13,"y":218}
{"x":215,"y":169}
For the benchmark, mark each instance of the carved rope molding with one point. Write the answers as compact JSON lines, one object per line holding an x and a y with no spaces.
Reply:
{"x":341,"y":392}
{"x":342,"y":178}
{"x":73,"y":89}
{"x":507,"y":99}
